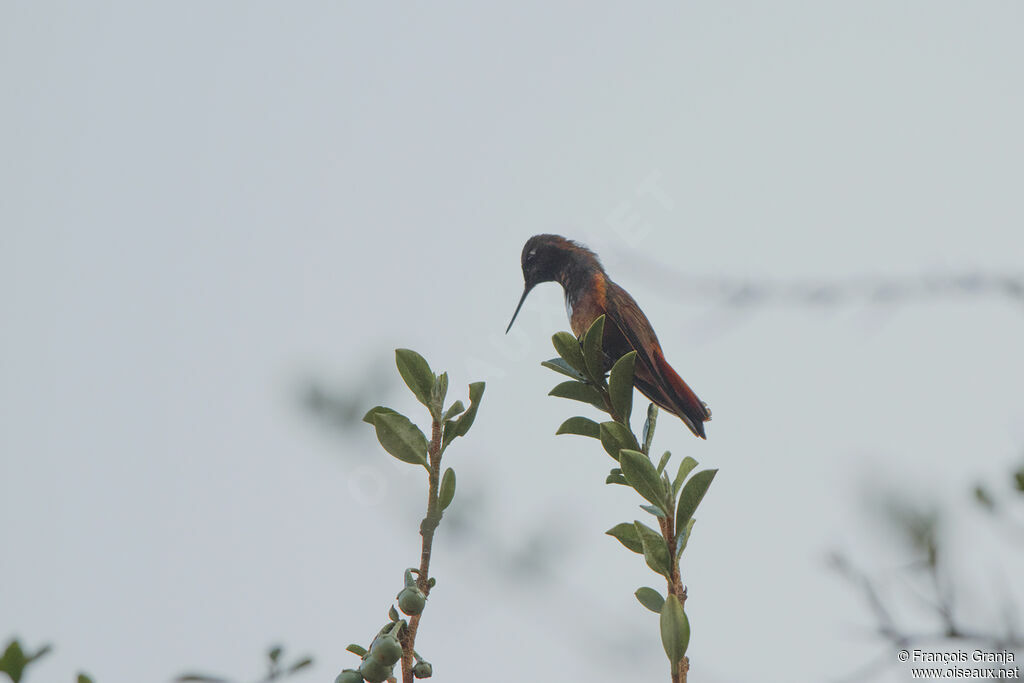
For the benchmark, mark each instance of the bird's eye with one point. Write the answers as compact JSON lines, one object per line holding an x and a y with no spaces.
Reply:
{"x":531,"y":254}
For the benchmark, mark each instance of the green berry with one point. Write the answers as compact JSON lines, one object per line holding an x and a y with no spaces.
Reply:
{"x":349,"y":676}
{"x":374,"y":670}
{"x":422,"y":670}
{"x":412,"y":601}
{"x":386,"y":649}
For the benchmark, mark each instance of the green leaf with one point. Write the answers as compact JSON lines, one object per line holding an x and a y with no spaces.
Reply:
{"x":663,"y":461}
{"x":675,"y":630}
{"x":578,"y":391}
{"x":416,"y":373}
{"x":616,"y":479}
{"x":84,"y":678}
{"x":448,"y":433}
{"x":655,"y":550}
{"x":683,"y":537}
{"x":685,"y":467}
{"x":447,"y":489}
{"x":377,"y":410}
{"x":401,"y":438}
{"x":691,"y":496}
{"x":620,"y":386}
{"x":614,"y":437}
{"x":593,"y":351}
{"x":1018,"y":479}
{"x":568,"y":347}
{"x":393,"y":615}
{"x":649,"y":424}
{"x":301,"y":664}
{"x":465,"y":421}
{"x":654,"y":510}
{"x":453,"y":410}
{"x":200,"y":678}
{"x":274,"y":653}
{"x":357,"y":650}
{"x":440,"y":388}
{"x":627,"y":536}
{"x":582,"y":426}
{"x":650,"y":598}
{"x":642,"y":476}
{"x":13,"y":661}
{"x":560,"y":366}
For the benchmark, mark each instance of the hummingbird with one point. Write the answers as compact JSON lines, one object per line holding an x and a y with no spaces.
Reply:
{"x":589,"y":294}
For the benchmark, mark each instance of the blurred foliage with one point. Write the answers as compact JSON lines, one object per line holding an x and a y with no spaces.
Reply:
{"x":932,"y":578}
{"x":277,"y":669}
{"x":15,"y":660}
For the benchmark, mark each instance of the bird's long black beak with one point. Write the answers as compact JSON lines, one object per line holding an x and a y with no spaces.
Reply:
{"x":526,"y":291}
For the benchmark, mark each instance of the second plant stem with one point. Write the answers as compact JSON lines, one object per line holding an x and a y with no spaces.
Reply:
{"x":427,"y":528}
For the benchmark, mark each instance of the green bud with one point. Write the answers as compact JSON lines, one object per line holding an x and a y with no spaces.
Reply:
{"x":386,"y":649}
{"x":422,"y":670}
{"x":349,"y":676}
{"x":375,"y":671}
{"x":412,"y":600}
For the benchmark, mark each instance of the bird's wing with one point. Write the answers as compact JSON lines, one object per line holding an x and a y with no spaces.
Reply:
{"x":654,"y":376}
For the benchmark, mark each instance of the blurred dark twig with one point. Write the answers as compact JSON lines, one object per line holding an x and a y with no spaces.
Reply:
{"x":920,"y":530}
{"x":743,"y":293}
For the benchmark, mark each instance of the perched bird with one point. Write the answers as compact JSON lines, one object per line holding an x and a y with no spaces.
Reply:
{"x":588,"y":295}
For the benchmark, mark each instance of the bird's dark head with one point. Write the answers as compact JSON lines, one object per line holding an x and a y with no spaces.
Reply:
{"x":547,"y":258}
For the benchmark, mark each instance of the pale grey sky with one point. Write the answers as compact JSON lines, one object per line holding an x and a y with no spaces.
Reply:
{"x":205,"y":204}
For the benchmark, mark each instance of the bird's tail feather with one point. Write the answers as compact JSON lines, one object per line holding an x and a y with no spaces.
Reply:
{"x":679,"y":397}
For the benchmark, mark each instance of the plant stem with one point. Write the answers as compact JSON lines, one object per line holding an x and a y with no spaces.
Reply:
{"x":427,"y":528}
{"x":675,"y":586}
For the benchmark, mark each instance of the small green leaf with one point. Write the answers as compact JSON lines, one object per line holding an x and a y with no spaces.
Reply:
{"x":84,"y":678}
{"x":593,"y":351}
{"x":649,"y":424}
{"x":685,"y":467}
{"x":692,"y":494}
{"x":401,"y":438}
{"x":465,"y":421}
{"x":650,"y":598}
{"x":447,"y":489}
{"x":274,"y":653}
{"x":448,"y":433}
{"x":357,"y":650}
{"x":568,"y":347}
{"x":655,"y":550}
{"x":393,"y":614}
{"x":616,"y":479}
{"x":13,"y":661}
{"x":1018,"y":479}
{"x":620,"y":386}
{"x":683,"y":537}
{"x":416,"y":373}
{"x":642,"y":476}
{"x":578,"y":391}
{"x":663,"y":461}
{"x":453,"y":410}
{"x":440,"y":388}
{"x":200,"y":678}
{"x":675,"y":630}
{"x":377,"y":410}
{"x":654,"y":510}
{"x":627,"y":536}
{"x":614,"y":437}
{"x":582,"y":426}
{"x":301,"y":664}
{"x":560,"y":366}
